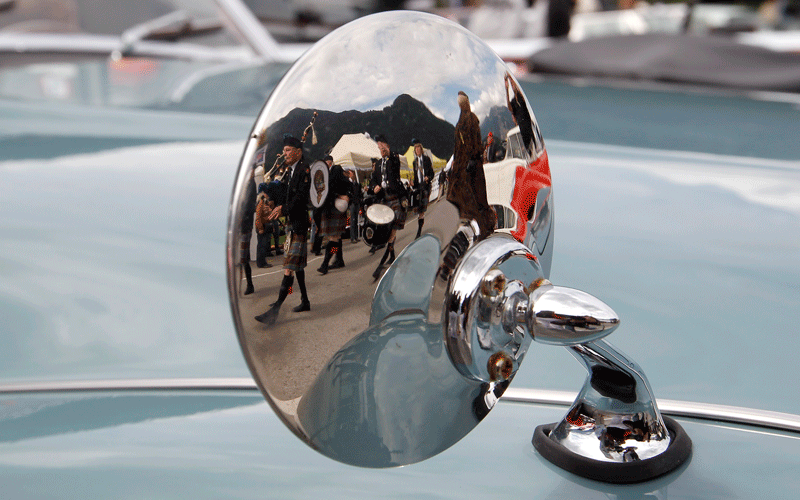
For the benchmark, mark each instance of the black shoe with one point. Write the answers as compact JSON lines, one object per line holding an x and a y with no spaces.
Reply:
{"x":304,"y":306}
{"x":323,"y":269}
{"x":377,"y":274}
{"x":269,"y":317}
{"x":278,"y":251}
{"x":337,"y":264}
{"x":249,"y":289}
{"x":263,"y":264}
{"x":375,"y":248}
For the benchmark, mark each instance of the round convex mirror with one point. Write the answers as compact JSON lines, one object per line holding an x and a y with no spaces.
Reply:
{"x":387,"y":153}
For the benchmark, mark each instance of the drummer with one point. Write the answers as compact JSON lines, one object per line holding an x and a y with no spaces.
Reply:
{"x":385,"y":184}
{"x":421,"y":182}
{"x":334,"y":215}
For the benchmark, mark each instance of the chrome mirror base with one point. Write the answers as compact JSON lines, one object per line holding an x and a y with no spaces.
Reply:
{"x":613,"y":432}
{"x":676,"y":454}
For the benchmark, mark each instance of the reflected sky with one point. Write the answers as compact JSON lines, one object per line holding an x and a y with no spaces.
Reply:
{"x":390,"y":54}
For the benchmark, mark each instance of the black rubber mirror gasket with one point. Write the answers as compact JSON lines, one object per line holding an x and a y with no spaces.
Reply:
{"x":678,"y":451}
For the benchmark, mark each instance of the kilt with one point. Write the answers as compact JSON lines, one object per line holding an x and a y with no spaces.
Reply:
{"x":297,"y":256}
{"x":422,"y":197}
{"x":333,"y":223}
{"x":393,"y":202}
{"x":244,"y":245}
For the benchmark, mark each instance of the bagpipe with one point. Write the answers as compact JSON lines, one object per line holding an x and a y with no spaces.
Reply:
{"x":281,"y":162}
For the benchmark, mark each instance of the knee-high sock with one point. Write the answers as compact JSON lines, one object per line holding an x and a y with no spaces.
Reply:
{"x":286,"y":285}
{"x":301,"y":282}
{"x":328,"y":253}
{"x":248,"y":273}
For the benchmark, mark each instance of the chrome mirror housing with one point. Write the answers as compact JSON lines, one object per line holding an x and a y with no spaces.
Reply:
{"x":404,"y":131}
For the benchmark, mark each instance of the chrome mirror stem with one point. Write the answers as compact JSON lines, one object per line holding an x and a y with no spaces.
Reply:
{"x":498,"y":301}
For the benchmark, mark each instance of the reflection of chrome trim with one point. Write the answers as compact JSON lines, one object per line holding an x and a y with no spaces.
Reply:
{"x":239,"y":19}
{"x":103,"y":45}
{"x":251,"y":30}
{"x":688,"y":409}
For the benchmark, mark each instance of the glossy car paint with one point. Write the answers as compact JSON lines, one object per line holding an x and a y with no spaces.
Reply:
{"x":677,"y":208}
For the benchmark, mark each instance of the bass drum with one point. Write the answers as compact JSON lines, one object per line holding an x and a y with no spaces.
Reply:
{"x":318,"y":190}
{"x":378,"y":224}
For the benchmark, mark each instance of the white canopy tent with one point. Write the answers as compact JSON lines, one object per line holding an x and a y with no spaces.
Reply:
{"x":355,"y":152}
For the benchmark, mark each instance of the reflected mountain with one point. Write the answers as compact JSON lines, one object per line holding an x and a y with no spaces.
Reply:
{"x":499,"y":121}
{"x":402,"y":121}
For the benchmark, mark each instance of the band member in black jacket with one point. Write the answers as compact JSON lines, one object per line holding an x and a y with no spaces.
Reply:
{"x":421,"y":182}
{"x":298,"y":181}
{"x":333,"y":217}
{"x":386,"y":186}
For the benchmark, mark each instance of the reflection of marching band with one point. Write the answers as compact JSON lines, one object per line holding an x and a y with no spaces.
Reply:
{"x":493,"y":186}
{"x":292,"y":187}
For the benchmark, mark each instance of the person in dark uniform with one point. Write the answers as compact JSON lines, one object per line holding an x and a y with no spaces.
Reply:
{"x":276,"y":194}
{"x":355,"y":205}
{"x":385,"y":185}
{"x":421,"y":182}
{"x":295,"y":208}
{"x":334,"y":215}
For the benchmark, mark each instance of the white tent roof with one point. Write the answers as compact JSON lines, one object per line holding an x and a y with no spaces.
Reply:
{"x":356,"y":151}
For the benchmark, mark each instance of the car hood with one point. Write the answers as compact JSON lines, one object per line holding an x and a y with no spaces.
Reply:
{"x":224,"y":444}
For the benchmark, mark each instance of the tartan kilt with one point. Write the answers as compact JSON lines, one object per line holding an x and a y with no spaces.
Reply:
{"x":423,"y":201}
{"x":393,"y":202}
{"x":333,"y":223}
{"x":296,"y":257}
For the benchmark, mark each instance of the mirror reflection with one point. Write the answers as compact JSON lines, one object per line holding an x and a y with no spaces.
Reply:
{"x":390,"y":149}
